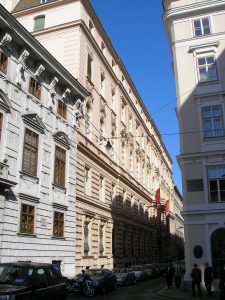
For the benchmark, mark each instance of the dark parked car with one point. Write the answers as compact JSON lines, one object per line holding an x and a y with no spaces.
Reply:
{"x":26,"y":281}
{"x":124,"y":276}
{"x":103,"y":279}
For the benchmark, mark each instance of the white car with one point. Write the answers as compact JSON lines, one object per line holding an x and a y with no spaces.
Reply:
{"x":140,"y":272}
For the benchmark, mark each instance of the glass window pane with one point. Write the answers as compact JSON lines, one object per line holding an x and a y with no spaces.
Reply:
{"x":207,"y":111}
{"x":212,"y":173}
{"x":214,"y":196}
{"x":205,"y":25}
{"x":202,"y":61}
{"x":212,"y":74}
{"x":197,"y":25}
{"x":39,"y":23}
{"x":216,"y":110}
{"x":221,"y":171}
{"x":213,"y":185}
{"x":210,"y":60}
{"x":207,"y":128}
{"x":203,"y":74}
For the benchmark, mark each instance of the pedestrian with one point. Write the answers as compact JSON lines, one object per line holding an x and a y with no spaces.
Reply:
{"x":169,"y":275}
{"x":196,"y":280}
{"x":222,"y":284}
{"x":208,"y":278}
{"x":178,"y":274}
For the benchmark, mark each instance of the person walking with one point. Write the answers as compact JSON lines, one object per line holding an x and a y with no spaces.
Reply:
{"x":196,"y":280}
{"x":169,"y":275}
{"x":222,"y":284}
{"x":178,"y":274}
{"x":208,"y":278}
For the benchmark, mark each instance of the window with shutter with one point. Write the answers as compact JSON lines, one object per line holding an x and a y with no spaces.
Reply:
{"x":35,"y":88}
{"x":39,"y":23}
{"x":58,"y":224}
{"x":30,"y":152}
{"x":60,"y":166}
{"x":27,"y":219}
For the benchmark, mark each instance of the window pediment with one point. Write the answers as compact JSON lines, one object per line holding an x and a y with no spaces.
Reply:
{"x":62,"y":139}
{"x":34,"y":121}
{"x":5,"y":103}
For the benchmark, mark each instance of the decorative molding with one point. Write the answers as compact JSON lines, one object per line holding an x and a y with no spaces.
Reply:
{"x":66,"y":93}
{"x":59,"y":206}
{"x":5,"y":103}
{"x":21,"y":66}
{"x":34,"y":121}
{"x":203,"y":48}
{"x":39,"y":70}
{"x":6,"y":39}
{"x":78,"y":113}
{"x":29,"y":198}
{"x":62,"y":139}
{"x":52,"y":92}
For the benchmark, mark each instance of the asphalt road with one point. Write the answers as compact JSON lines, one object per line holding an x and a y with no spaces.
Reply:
{"x":141,"y":291}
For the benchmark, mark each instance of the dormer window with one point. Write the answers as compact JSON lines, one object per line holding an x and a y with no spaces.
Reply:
{"x":39,"y":22}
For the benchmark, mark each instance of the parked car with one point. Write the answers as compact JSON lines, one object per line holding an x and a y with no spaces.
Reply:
{"x":140,"y":272}
{"x":124,"y":276}
{"x":104,"y":279}
{"x":26,"y":281}
{"x":155,"y":269}
{"x":149,"y":271}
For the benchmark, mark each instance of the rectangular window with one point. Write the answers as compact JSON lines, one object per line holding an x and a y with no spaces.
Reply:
{"x":212,"y":121}
{"x":113,"y":193}
{"x":3,"y":62}
{"x":27,"y":219}
{"x":60,"y":166}
{"x":35,"y":88}
{"x":86,"y":238}
{"x":1,"y":121}
{"x":101,"y":244}
{"x":58,"y":224}
{"x":62,"y":109}
{"x":207,"y":69}
{"x":102,"y":87}
{"x":201,"y":26}
{"x":89,"y":66}
{"x":30,"y":152}
{"x":39,"y":23}
{"x":216,"y":181}
{"x":87,"y":181}
{"x":101,"y":188}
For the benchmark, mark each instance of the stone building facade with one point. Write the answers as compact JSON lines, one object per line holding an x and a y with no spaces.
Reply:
{"x":121,"y":159}
{"x":196,"y":33}
{"x":39,"y":115}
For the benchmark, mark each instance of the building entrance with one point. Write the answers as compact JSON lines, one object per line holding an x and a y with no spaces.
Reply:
{"x":218,"y":251}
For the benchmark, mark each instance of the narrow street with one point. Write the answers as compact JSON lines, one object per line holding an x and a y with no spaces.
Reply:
{"x":142,"y":291}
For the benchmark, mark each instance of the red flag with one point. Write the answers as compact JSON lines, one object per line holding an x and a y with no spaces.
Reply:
{"x":157,"y":197}
{"x":167,"y":207}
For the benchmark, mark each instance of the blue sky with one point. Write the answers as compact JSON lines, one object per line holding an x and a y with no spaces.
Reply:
{"x":137,"y":33}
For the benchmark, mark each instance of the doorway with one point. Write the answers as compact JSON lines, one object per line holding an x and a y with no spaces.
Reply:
{"x":218,"y":251}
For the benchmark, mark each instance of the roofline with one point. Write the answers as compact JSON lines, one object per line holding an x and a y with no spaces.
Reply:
{"x":90,"y":9}
{"x":38,"y":49}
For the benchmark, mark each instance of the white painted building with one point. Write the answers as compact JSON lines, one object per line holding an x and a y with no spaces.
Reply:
{"x":117,"y":220}
{"x":39,"y":116}
{"x":196,"y":33}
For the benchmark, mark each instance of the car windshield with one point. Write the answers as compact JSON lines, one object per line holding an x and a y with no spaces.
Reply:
{"x":138,"y":268}
{"x":15,"y":275}
{"x":94,"y":273}
{"x":121,"y":271}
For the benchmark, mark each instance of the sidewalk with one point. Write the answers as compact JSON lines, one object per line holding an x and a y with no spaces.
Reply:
{"x":186,"y":295}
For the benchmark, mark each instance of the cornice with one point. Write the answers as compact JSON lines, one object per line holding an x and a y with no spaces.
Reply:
{"x":199,"y":155}
{"x":191,"y":9}
{"x":81,"y":23}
